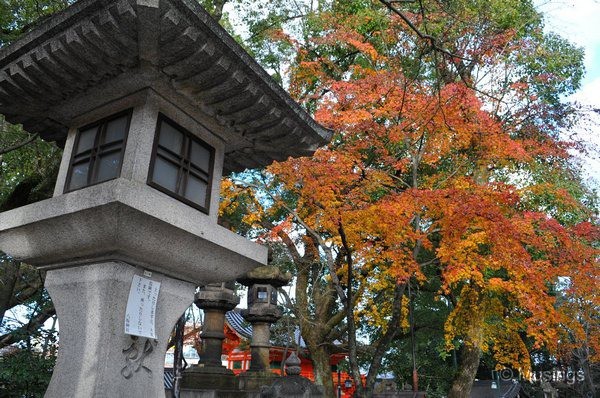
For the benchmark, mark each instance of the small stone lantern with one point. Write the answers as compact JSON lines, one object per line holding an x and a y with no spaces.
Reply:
{"x":262,"y":310}
{"x":215,"y":300}
{"x":262,"y":294}
{"x":292,"y":385}
{"x":153,"y":102}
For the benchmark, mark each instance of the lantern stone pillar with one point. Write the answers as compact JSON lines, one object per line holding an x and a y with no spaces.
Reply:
{"x":215,"y":300}
{"x":262,"y":312}
{"x":153,"y":102}
{"x":95,"y":357}
{"x":261,"y":334}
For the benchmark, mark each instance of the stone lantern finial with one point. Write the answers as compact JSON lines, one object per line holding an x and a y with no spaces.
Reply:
{"x":292,"y":365}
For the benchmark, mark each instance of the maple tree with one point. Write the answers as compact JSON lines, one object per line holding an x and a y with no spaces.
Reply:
{"x":447,"y":162}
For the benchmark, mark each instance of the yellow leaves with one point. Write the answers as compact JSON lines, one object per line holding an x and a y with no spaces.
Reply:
{"x":405,"y":317}
{"x":498,"y":285}
{"x":227,"y":196}
{"x":252,"y":219}
{"x":510,"y":351}
{"x":363,"y":47}
{"x":466,"y":319}
{"x":479,"y":319}
{"x":239,"y":204}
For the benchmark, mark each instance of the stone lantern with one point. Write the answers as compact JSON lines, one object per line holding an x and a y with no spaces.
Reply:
{"x":153,"y":102}
{"x":262,"y":311}
{"x":292,"y":385}
{"x":215,"y":300}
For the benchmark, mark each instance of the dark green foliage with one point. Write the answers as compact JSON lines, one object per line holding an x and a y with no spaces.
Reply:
{"x":19,"y":16}
{"x":25,"y":373}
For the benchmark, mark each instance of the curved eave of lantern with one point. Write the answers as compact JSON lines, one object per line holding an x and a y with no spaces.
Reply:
{"x":169,"y":43}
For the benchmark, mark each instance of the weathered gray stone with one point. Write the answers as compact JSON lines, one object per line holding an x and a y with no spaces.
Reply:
{"x":130,"y":222}
{"x":255,"y":381}
{"x":292,"y":365}
{"x":261,"y":313}
{"x":93,"y":360}
{"x":169,"y":57}
{"x":189,"y":393}
{"x":215,"y":300}
{"x":293,"y":385}
{"x":266,"y":274}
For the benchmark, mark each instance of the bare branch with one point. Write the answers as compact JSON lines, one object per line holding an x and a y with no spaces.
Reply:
{"x":18,"y":145}
{"x":326,"y":248}
{"x":18,"y":334}
{"x":433,"y":41}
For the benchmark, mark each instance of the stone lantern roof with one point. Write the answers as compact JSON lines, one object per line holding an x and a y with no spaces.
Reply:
{"x":100,"y":50}
{"x":266,"y":274}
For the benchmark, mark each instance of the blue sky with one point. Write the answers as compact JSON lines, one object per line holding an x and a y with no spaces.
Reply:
{"x":579,"y":21}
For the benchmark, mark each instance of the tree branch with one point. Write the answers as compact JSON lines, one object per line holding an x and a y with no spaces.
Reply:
{"x":19,"y":145}
{"x":34,"y":323}
{"x":433,"y":41}
{"x":322,"y":244}
{"x":392,"y":330}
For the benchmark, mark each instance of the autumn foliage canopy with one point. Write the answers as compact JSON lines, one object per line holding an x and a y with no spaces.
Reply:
{"x":440,"y":170}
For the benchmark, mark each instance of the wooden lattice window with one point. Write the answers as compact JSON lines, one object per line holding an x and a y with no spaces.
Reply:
{"x":98,"y":152}
{"x":182,"y":165}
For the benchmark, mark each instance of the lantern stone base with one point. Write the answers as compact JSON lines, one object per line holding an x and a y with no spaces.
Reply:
{"x":208,"y":377}
{"x":292,"y":387}
{"x":215,"y":394}
{"x":96,"y":358}
{"x":255,"y":381}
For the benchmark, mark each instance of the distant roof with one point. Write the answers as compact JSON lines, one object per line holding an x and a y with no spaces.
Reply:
{"x":168,"y":378}
{"x":506,"y":389}
{"x":174,"y":44}
{"x":238,"y":324}
{"x":242,"y":328}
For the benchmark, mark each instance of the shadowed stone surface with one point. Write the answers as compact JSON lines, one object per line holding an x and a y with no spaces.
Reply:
{"x":150,"y":57}
{"x":255,"y":381}
{"x":266,"y":274}
{"x":262,"y":313}
{"x":215,"y":300}
{"x":293,"y":385}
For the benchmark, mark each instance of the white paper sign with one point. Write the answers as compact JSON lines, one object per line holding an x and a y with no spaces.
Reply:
{"x":140,"y":315}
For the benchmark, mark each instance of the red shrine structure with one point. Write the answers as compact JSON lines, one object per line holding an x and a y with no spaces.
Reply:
{"x":237,"y":351}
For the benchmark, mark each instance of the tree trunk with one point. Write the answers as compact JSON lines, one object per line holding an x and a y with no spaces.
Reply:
{"x":8,"y":279}
{"x":467,"y":369}
{"x":322,"y":369}
{"x":385,"y":341}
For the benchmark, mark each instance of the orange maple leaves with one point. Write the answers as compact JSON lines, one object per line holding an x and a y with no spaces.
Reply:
{"x":410,"y":177}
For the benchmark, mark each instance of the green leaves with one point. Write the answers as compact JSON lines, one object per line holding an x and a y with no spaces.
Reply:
{"x":18,"y":16}
{"x":33,"y":167}
{"x":25,"y":373}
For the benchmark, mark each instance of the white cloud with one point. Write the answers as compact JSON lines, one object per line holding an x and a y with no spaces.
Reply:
{"x":578,"y":21}
{"x":589,"y":94}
